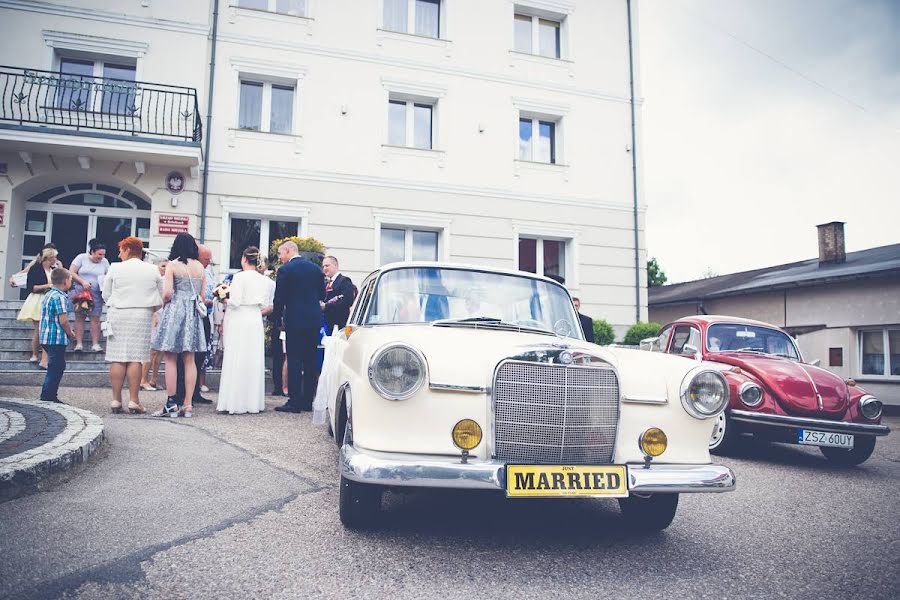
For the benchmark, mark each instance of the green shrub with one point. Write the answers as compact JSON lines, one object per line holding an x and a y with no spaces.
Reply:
{"x":639,"y":331}
{"x":604,"y":334}
{"x":310,"y":248}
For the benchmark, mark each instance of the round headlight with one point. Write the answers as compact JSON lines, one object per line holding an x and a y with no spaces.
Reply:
{"x":654,"y":442}
{"x":870,"y":407}
{"x":751,"y":394}
{"x":397,"y":371}
{"x":466,"y":434}
{"x":704,"y":393}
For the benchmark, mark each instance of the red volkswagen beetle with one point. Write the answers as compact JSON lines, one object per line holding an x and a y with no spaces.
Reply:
{"x":773,"y":392}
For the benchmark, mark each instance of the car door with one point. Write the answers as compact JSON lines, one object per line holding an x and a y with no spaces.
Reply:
{"x":685,"y":335}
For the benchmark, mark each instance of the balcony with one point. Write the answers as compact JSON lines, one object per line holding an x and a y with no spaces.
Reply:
{"x":98,"y":118}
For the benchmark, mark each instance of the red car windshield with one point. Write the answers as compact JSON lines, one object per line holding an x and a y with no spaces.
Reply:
{"x":730,"y":337}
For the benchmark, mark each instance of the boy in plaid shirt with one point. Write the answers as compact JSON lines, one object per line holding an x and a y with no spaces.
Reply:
{"x":55,"y":332}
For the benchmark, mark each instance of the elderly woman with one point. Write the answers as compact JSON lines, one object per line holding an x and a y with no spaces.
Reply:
{"x":37,"y":284}
{"x":88,"y":269}
{"x":132,"y":291}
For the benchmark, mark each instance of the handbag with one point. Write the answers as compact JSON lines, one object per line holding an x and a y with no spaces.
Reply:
{"x":199,"y":305}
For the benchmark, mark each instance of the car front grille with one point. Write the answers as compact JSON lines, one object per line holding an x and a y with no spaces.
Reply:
{"x":555,"y":414}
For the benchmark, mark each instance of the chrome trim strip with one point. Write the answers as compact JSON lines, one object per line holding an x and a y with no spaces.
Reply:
{"x":449,"y":387}
{"x":820,"y":424}
{"x":644,"y":400}
{"x":410,"y":470}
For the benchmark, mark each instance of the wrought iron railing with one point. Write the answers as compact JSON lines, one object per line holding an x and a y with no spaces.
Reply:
{"x":138,"y":108}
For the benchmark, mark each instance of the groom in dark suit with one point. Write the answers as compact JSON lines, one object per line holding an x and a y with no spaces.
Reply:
{"x":339,"y":295}
{"x":299,"y":288}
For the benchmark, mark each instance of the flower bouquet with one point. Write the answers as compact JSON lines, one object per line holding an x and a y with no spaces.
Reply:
{"x":221,"y":291}
{"x":83,"y":302}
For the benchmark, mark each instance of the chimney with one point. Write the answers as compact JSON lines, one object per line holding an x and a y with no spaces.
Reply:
{"x":831,"y":243}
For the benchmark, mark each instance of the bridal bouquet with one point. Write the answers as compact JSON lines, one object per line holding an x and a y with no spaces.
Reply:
{"x":83,"y":302}
{"x":221,"y":291}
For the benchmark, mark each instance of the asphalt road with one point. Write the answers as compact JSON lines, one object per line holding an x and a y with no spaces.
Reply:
{"x":228,"y":507}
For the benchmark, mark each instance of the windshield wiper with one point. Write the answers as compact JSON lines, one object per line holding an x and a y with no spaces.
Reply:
{"x":492,"y":321}
{"x":477,"y":320}
{"x":753,"y":350}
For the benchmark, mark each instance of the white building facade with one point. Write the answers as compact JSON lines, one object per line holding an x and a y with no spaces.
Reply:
{"x":495,"y":132}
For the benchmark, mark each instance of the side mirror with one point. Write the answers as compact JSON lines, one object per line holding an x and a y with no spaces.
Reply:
{"x":651,"y":344}
{"x":688,"y":350}
{"x":816,"y":363}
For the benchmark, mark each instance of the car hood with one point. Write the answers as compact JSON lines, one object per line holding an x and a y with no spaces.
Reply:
{"x":797,"y":387}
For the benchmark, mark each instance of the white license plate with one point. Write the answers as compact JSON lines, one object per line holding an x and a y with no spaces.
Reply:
{"x":824,"y":438}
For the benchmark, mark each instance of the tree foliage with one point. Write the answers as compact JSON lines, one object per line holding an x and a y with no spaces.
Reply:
{"x":655,"y":275}
{"x":639,"y":331}
{"x":311,"y":248}
{"x":604,"y":334}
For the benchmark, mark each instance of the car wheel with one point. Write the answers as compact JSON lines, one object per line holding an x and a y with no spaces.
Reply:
{"x":360,"y":504}
{"x":651,"y":513}
{"x":862,"y":449}
{"x":723,"y":436}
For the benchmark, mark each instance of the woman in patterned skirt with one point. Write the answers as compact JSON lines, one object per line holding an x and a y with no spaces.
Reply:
{"x":132,"y":291}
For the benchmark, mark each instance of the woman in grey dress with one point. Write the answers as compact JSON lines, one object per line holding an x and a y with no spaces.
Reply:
{"x":180,"y":329}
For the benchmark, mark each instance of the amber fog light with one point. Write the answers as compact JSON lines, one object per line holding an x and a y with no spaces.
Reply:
{"x":654,"y":442}
{"x":466,"y":434}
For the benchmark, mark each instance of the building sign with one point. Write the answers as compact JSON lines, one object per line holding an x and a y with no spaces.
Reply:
{"x":175,"y":182}
{"x":173,"y":224}
{"x":2,"y":214}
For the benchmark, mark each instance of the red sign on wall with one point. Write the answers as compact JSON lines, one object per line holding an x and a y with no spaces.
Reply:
{"x":2,"y":213}
{"x":173,"y":224}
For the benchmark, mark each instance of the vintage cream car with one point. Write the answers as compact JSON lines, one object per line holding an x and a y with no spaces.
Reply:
{"x":450,"y":376}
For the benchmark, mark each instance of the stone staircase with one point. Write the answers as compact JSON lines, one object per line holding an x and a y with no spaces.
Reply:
{"x":83,"y":369}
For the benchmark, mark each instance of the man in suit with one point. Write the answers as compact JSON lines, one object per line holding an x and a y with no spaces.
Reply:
{"x":587,"y":323}
{"x":339,"y":295}
{"x":299,"y":288}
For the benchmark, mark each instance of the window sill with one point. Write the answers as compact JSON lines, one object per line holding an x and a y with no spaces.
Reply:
{"x":411,"y":38}
{"x":878,"y":378}
{"x":542,"y":167}
{"x":235,"y":134}
{"x":236,"y":11}
{"x":517,"y":59}
{"x":388,"y":151}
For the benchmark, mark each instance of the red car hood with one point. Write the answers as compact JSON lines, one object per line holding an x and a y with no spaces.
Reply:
{"x":797,"y":387}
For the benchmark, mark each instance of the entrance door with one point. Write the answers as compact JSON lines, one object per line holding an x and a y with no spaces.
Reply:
{"x":70,"y":234}
{"x":111,"y":231}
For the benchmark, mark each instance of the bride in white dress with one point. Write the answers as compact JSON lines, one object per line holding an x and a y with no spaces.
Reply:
{"x":242,"y":384}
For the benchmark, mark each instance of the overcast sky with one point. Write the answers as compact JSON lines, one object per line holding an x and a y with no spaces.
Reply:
{"x":745,"y":154}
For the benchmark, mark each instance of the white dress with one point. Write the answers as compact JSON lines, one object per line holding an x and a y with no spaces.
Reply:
{"x":242,"y":387}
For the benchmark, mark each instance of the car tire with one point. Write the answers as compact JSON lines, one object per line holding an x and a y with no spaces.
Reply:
{"x":724,"y":435}
{"x":360,"y":504}
{"x":862,"y":449}
{"x":651,"y":513}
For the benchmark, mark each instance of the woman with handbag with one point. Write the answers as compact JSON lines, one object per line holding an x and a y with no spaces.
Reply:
{"x":133,"y":291}
{"x":87,"y":270}
{"x":37,"y":284}
{"x":180,"y":329}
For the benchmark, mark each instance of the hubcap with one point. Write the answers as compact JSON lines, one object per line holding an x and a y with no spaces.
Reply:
{"x":718,"y":431}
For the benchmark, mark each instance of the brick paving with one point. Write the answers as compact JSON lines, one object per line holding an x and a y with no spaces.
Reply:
{"x":38,"y":439}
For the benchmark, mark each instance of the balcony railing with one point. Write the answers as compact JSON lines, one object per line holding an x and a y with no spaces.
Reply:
{"x":136,"y":108}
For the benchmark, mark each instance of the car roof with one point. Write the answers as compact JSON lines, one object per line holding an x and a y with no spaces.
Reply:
{"x":714,"y":319}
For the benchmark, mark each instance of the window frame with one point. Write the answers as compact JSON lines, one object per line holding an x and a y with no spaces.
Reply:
{"x":272,"y":6}
{"x":268,"y":209}
{"x":886,"y":374}
{"x":411,"y":20}
{"x":557,"y":11}
{"x":98,"y":63}
{"x":410,"y":122}
{"x":539,"y":254}
{"x":536,"y":122}
{"x":267,"y":83}
{"x":536,"y":34}
{"x":408,"y":231}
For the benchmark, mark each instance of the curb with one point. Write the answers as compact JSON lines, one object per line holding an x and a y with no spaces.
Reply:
{"x":82,"y":436}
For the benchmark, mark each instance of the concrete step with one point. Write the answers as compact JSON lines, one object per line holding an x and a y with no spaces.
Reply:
{"x":91,"y":379}
{"x":73,"y":363}
{"x":16,"y":304}
{"x":22,"y":342}
{"x":71,"y":355}
{"x":26,"y":325}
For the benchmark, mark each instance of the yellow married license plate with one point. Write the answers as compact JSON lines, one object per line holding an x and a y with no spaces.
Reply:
{"x":540,"y":481}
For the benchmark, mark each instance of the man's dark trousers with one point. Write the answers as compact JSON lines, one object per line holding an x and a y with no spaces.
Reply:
{"x":277,"y":353}
{"x":302,"y":347}
{"x":56,"y":366}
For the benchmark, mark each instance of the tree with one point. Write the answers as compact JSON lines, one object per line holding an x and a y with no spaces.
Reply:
{"x":604,"y":334}
{"x":640,"y":331}
{"x":655,"y":275}
{"x":708,"y":273}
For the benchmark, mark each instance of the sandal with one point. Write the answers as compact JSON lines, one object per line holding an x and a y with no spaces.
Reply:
{"x":169,"y":410}
{"x":187,"y":412}
{"x":136,"y":409}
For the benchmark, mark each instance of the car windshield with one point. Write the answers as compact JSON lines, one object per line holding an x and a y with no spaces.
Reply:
{"x":428,"y":294}
{"x":728,"y":337}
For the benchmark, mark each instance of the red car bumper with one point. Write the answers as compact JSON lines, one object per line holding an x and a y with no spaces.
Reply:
{"x":745,"y":416}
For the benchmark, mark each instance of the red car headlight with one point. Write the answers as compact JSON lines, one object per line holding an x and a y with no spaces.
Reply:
{"x":870,"y":407}
{"x":751,"y":394}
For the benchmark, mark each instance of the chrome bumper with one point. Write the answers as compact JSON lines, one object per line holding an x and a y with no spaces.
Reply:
{"x":410,"y":470}
{"x":745,"y":416}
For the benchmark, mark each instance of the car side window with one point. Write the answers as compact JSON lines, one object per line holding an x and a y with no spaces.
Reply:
{"x":662,"y":340}
{"x":684,"y":334}
{"x":365,"y":294}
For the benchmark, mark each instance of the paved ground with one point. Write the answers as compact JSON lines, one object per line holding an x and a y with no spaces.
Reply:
{"x":245,"y":506}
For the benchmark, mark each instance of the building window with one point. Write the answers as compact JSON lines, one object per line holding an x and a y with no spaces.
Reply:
{"x":266,"y":106}
{"x":537,"y":140}
{"x":419,"y":17}
{"x":536,"y":35}
{"x":547,"y":257}
{"x":259,"y":232}
{"x":294,"y":8}
{"x":411,"y":123}
{"x":403,"y":244}
{"x":78,"y":78}
{"x":880,"y":352}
